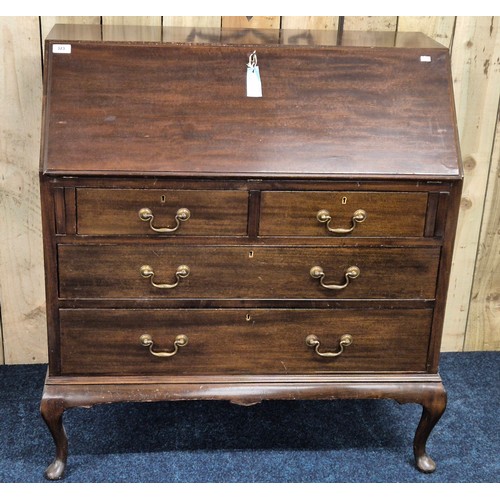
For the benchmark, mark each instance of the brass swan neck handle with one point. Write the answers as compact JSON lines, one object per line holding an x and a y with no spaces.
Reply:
{"x":179,"y":341}
{"x":351,"y":273}
{"x":148,"y":272}
{"x":313,"y":341}
{"x":357,"y":217}
{"x":146,"y":215}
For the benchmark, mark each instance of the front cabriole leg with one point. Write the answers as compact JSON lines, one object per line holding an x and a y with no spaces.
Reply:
{"x":433,"y":408}
{"x":52,"y":410}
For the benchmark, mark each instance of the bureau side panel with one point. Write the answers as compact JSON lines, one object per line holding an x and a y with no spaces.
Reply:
{"x":49,"y":225}
{"x":447,"y":223}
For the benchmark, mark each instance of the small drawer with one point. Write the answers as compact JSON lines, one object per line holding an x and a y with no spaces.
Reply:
{"x":237,"y":341}
{"x":244,"y":272}
{"x":342,"y":213}
{"x":161,"y":212}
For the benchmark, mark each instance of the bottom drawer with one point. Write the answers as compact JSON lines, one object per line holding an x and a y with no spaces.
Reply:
{"x":241,"y":341}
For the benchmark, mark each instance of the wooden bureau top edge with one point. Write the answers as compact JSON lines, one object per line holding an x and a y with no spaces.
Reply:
{"x":237,"y":36}
{"x":172,"y":102}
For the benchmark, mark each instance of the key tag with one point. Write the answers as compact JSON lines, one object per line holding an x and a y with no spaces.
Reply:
{"x":254,"y":85}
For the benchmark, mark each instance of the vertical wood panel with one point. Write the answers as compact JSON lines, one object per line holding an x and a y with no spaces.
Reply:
{"x":483,"y":325}
{"x":262,"y":22}
{"x":1,"y":339}
{"x":47,"y":22}
{"x":437,"y":28}
{"x":476,"y":48}
{"x":309,"y":22}
{"x":22,"y":295}
{"x":132,"y":20}
{"x":472,"y":320}
{"x":115,"y":28}
{"x":194,"y":21}
{"x":371,"y":23}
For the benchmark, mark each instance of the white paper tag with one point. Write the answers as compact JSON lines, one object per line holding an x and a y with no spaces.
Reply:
{"x":61,"y":48}
{"x":254,"y":85}
{"x":425,"y":59}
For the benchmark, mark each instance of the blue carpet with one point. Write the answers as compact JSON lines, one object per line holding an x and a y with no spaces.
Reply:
{"x":273,"y":442}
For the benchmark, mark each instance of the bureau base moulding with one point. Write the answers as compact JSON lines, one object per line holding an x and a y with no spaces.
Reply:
{"x":58,"y":397}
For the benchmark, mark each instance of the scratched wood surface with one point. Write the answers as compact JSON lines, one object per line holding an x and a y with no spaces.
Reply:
{"x":371,"y":23}
{"x":192,"y":21}
{"x":473,"y":318}
{"x":309,"y":22}
{"x":257,"y":22}
{"x":439,"y":28}
{"x":483,"y":323}
{"x":476,"y":81}
{"x":132,"y":20}
{"x":22,"y":296}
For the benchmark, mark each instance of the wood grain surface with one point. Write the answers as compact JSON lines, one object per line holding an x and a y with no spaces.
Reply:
{"x":255,"y":341}
{"x":193,"y":21}
{"x":156,"y":115}
{"x":484,"y":314}
{"x":115,"y":211}
{"x":229,"y":272}
{"x":475,"y":65}
{"x":466,"y":42}
{"x":387,"y":214}
{"x":21,"y":263}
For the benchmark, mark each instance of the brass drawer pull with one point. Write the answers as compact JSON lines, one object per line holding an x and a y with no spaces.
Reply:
{"x":357,"y":217}
{"x":147,"y":341}
{"x":351,"y":273}
{"x":146,"y":215}
{"x":313,"y":341}
{"x":182,"y":272}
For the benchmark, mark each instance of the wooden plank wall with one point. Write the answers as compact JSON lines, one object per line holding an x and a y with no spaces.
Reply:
{"x":473,"y":318}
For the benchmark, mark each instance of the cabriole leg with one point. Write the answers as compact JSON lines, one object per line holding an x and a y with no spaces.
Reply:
{"x":433,"y":409}
{"x":52,"y":412}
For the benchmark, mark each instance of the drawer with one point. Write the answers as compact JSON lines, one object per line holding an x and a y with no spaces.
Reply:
{"x":243,"y":272}
{"x":342,"y":213}
{"x":236,"y":341}
{"x":118,"y":211}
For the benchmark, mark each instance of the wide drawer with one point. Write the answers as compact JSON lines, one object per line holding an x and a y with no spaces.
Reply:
{"x":243,"y":272}
{"x":237,"y":341}
{"x":342,"y":213}
{"x":118,"y":211}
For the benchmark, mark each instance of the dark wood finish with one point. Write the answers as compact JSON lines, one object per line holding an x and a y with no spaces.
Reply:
{"x":60,"y":211}
{"x":51,"y":271}
{"x":294,"y":213}
{"x":70,"y":209}
{"x":127,"y":123}
{"x":291,"y":183}
{"x":430,"y":222}
{"x":115,"y":211}
{"x":83,"y":393}
{"x":240,"y":272}
{"x":252,"y":341}
{"x":164,"y":115}
{"x":52,"y":410}
{"x":447,"y":222}
{"x":432,"y":410}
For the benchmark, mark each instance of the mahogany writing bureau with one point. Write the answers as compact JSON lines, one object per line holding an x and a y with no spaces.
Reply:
{"x":246,"y":215}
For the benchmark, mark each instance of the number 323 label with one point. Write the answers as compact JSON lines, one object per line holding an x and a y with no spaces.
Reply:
{"x":61,"y":48}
